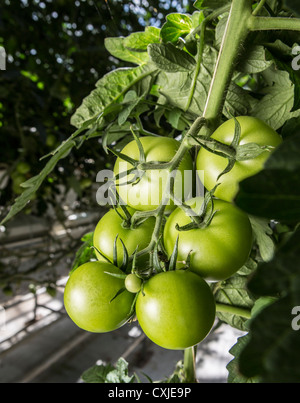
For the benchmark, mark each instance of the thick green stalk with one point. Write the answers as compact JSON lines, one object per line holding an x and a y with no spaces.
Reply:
{"x":189,"y":365}
{"x":235,"y":33}
{"x":234,"y":310}
{"x":273,"y":23}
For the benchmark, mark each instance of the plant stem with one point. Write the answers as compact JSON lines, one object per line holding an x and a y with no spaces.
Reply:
{"x":235,"y":33}
{"x":246,"y":313}
{"x":189,"y":365}
{"x":259,"y":7}
{"x":272,"y":23}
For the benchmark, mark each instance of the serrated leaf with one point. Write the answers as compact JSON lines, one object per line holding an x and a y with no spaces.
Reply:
{"x":234,"y":374}
{"x":117,"y":48}
{"x":120,"y":373}
{"x":238,"y":102}
{"x":254,"y":61}
{"x":276,"y":105}
{"x":131,"y":100}
{"x":109,"y":89}
{"x":262,"y":234}
{"x":234,"y":292}
{"x":106,"y":373}
{"x":140,"y":40}
{"x":97,"y":373}
{"x":168,"y":58}
{"x":177,"y":25}
{"x":179,"y":95}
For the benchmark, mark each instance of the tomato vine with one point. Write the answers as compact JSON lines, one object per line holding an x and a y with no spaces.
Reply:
{"x":203,"y":68}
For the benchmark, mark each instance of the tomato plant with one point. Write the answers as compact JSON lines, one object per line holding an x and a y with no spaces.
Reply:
{"x":176,"y":309}
{"x":253,"y":131}
{"x":216,"y":250}
{"x":90,"y":297}
{"x":219,"y":88}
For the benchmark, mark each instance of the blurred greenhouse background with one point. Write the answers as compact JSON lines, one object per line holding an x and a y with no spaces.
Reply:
{"x":54,"y":55}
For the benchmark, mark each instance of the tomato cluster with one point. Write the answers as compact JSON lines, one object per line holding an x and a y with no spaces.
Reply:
{"x":159,"y":268}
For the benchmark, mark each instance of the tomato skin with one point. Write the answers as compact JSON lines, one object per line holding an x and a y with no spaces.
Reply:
{"x":110,"y":225}
{"x":220,"y":249}
{"x":148,"y":193}
{"x":88,"y":294}
{"x":176,"y":309}
{"x":253,"y":130}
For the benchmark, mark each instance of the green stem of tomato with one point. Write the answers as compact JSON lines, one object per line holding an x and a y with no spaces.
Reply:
{"x":189,"y":365}
{"x":234,"y":310}
{"x":273,"y":23}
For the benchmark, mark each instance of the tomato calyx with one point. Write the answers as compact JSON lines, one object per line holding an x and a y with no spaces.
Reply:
{"x":233,"y":152}
{"x":205,"y":215}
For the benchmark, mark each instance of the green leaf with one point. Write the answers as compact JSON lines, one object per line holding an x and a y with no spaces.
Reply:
{"x":85,"y":253}
{"x":117,"y":48}
{"x":109,"y":89}
{"x":97,"y":373}
{"x":212,"y":4}
{"x":273,"y":351}
{"x":275,"y":108}
{"x":168,"y":58}
{"x":238,"y":102}
{"x":274,"y":193}
{"x":179,"y":94}
{"x":177,"y":25}
{"x":233,"y":291}
{"x":131,"y":100}
{"x":141,"y":40}
{"x":234,"y":374}
{"x":254,"y":61}
{"x":108,"y":374}
{"x":262,"y":234}
{"x":120,"y":373}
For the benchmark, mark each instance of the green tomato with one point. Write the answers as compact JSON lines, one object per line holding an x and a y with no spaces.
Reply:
{"x":133,"y":283}
{"x":148,"y":192}
{"x":217,"y":251}
{"x":176,"y":309}
{"x":253,"y":130}
{"x":110,"y":225}
{"x":88,"y":298}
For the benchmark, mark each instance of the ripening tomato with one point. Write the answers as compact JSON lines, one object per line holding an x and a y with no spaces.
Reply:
{"x":147,"y":194}
{"x":176,"y":309}
{"x":89,"y":298}
{"x":217,"y":251}
{"x":111,"y":225}
{"x":211,"y":165}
